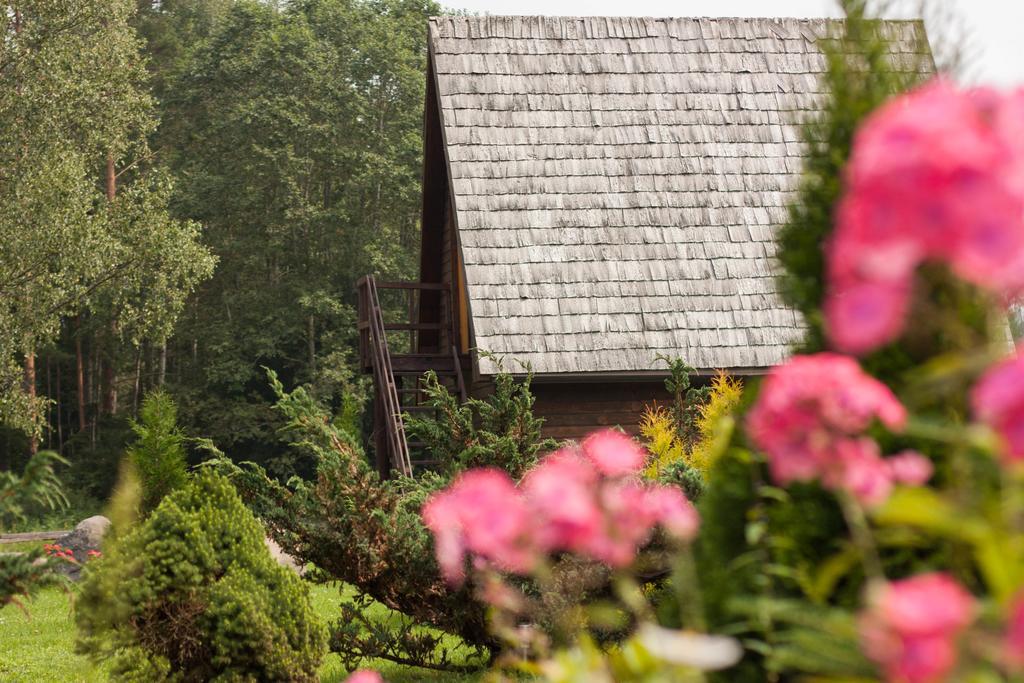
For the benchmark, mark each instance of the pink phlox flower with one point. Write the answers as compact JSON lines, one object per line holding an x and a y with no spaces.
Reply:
{"x":671,"y":509}
{"x":482,"y":513}
{"x":365,"y":676}
{"x":911,"y":626}
{"x":935,"y":175}
{"x":998,"y":401}
{"x":584,"y":500}
{"x":809,"y":415}
{"x":613,"y":453}
{"x":857,"y":467}
{"x":561,"y":494}
{"x":910,"y":468}
{"x":627,"y":523}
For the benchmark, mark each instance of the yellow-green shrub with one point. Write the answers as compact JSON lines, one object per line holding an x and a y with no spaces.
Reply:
{"x":714,"y":423}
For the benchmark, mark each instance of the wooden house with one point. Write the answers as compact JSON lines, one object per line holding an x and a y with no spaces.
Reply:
{"x":598,"y":192}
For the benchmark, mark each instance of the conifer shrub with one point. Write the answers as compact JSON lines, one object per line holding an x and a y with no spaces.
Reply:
{"x":356,"y":528}
{"x":192,"y":594}
{"x":37,"y":485}
{"x":497,"y":431}
{"x":159,"y":449}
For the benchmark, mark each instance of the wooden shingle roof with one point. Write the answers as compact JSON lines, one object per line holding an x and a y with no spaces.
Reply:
{"x":617,"y":182}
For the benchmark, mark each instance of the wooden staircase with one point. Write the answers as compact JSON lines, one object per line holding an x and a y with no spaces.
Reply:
{"x":426,"y":339}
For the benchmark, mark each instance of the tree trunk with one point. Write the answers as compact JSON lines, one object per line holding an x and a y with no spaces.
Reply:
{"x":30,"y":391}
{"x":60,"y":413}
{"x":162,"y":371}
{"x":108,"y":405}
{"x":311,"y":331}
{"x":111,"y":178}
{"x":138,"y":382}
{"x":49,"y":408}
{"x":80,"y":369}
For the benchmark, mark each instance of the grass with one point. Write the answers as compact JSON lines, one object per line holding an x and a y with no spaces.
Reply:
{"x":39,"y":646}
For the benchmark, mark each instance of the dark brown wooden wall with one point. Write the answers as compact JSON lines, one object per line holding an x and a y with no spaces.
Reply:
{"x":571,"y":411}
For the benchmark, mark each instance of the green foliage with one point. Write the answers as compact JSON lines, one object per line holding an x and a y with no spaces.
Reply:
{"x":497,"y":431}
{"x":686,"y":399}
{"x":296,"y":206}
{"x":358,"y":529}
{"x":687,"y":464}
{"x":21,"y":574}
{"x":159,"y":451}
{"x":192,"y":594}
{"x":38,"y":484}
{"x":72,"y":95}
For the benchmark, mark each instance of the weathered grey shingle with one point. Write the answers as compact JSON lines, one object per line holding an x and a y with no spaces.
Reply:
{"x":617,"y":181}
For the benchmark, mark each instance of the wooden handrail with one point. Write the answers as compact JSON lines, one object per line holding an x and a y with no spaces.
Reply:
{"x":380,"y":359}
{"x":458,"y":374}
{"x":425,"y":286}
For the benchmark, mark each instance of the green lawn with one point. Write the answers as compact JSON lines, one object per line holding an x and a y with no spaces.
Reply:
{"x":39,"y":647}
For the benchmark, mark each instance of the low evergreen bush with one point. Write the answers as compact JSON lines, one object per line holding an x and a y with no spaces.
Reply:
{"x":192,"y":594}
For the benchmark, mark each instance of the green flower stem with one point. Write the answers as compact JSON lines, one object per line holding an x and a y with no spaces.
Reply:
{"x":686,"y":583}
{"x":861,"y":535}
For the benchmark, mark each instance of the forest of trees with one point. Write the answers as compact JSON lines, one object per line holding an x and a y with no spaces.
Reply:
{"x":190,"y":190}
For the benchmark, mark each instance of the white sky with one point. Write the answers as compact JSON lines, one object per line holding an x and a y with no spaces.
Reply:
{"x":995,"y":27}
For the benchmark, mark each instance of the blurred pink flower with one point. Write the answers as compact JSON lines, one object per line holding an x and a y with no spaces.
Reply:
{"x":863,"y":315}
{"x":998,"y":401}
{"x":673,"y":512}
{"x":364,"y":676}
{"x":1013,"y":646}
{"x":858,"y":467}
{"x":809,"y":418}
{"x":580,"y":500}
{"x":627,"y":523}
{"x":483,"y":513}
{"x":601,"y":517}
{"x":910,"y":627}
{"x":613,"y":453}
{"x":560,"y":492}
{"x":910,"y":468}
{"x":938,"y":175}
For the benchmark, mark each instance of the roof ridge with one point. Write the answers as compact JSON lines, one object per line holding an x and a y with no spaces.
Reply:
{"x":694,"y":17}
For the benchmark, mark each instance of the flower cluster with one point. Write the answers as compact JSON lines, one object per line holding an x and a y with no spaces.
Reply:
{"x":810,"y":418}
{"x":59,"y":552}
{"x":910,"y":627}
{"x":998,"y":400}
{"x":937,"y":175}
{"x":586,"y":500}
{"x":364,"y":676}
